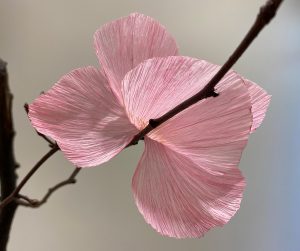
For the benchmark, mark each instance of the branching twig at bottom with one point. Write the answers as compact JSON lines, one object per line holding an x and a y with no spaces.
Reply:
{"x":28,"y":202}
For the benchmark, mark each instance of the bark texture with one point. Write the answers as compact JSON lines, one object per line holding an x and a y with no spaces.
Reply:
{"x":8,"y":165}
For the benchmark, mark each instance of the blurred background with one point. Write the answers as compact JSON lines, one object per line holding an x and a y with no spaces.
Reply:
{"x":43,"y":40}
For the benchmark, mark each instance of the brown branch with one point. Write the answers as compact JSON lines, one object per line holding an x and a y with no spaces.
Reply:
{"x":16,"y":191}
{"x":8,"y":177}
{"x":265,"y":15}
{"x":28,"y":202}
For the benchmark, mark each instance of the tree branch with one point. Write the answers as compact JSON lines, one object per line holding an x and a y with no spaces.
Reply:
{"x":8,"y":165}
{"x":265,"y":15}
{"x":28,"y":202}
{"x":9,"y":199}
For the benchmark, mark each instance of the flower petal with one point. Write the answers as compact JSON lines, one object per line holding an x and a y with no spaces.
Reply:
{"x":180,"y":198}
{"x":83,"y":116}
{"x":159,"y":84}
{"x":187,"y":180}
{"x":211,"y":122}
{"x":123,"y":44}
{"x":260,"y":102}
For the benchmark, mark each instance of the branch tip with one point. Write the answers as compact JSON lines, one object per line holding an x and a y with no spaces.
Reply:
{"x":268,"y":11}
{"x":26,"y":107}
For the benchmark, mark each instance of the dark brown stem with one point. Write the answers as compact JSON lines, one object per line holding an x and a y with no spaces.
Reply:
{"x":26,"y":201}
{"x":265,"y":15}
{"x":8,"y":177}
{"x":9,"y":199}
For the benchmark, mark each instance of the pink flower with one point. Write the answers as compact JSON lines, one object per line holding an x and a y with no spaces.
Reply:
{"x":187,"y":180}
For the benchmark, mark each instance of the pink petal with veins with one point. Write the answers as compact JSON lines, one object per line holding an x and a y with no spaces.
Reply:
{"x":159,"y":84}
{"x":123,"y":44}
{"x":210,"y":123}
{"x":180,"y":198}
{"x":82,"y":115}
{"x":188,"y":179}
{"x":177,"y":78}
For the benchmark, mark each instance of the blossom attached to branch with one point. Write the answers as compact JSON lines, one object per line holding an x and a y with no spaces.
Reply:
{"x":187,"y":180}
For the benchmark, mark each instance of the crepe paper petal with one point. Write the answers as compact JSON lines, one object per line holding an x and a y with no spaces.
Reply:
{"x":159,"y":84}
{"x":212,"y":122}
{"x":123,"y":44}
{"x":187,"y":180}
{"x":82,"y":115}
{"x":179,"y":197}
{"x":260,"y":102}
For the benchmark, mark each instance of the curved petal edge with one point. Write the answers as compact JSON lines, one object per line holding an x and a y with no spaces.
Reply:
{"x":124,"y":43}
{"x":260,"y":102}
{"x":180,"y":199}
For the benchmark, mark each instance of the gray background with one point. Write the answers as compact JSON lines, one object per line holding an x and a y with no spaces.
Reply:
{"x":42,"y":40}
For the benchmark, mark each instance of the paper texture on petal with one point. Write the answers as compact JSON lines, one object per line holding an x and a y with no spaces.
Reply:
{"x":81,"y":113}
{"x":211,"y":122}
{"x":123,"y":44}
{"x":188,"y":179}
{"x":181,"y":199}
{"x":158,"y":85}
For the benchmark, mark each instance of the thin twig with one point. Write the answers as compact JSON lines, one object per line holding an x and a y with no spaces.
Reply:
{"x":265,"y":15}
{"x":21,"y":197}
{"x":14,"y":194}
{"x":28,"y":202}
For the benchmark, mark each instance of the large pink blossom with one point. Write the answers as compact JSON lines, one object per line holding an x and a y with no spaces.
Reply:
{"x":187,"y":180}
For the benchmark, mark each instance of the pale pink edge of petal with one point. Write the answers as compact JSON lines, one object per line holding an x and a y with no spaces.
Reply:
{"x":95,"y":36}
{"x":260,"y":100}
